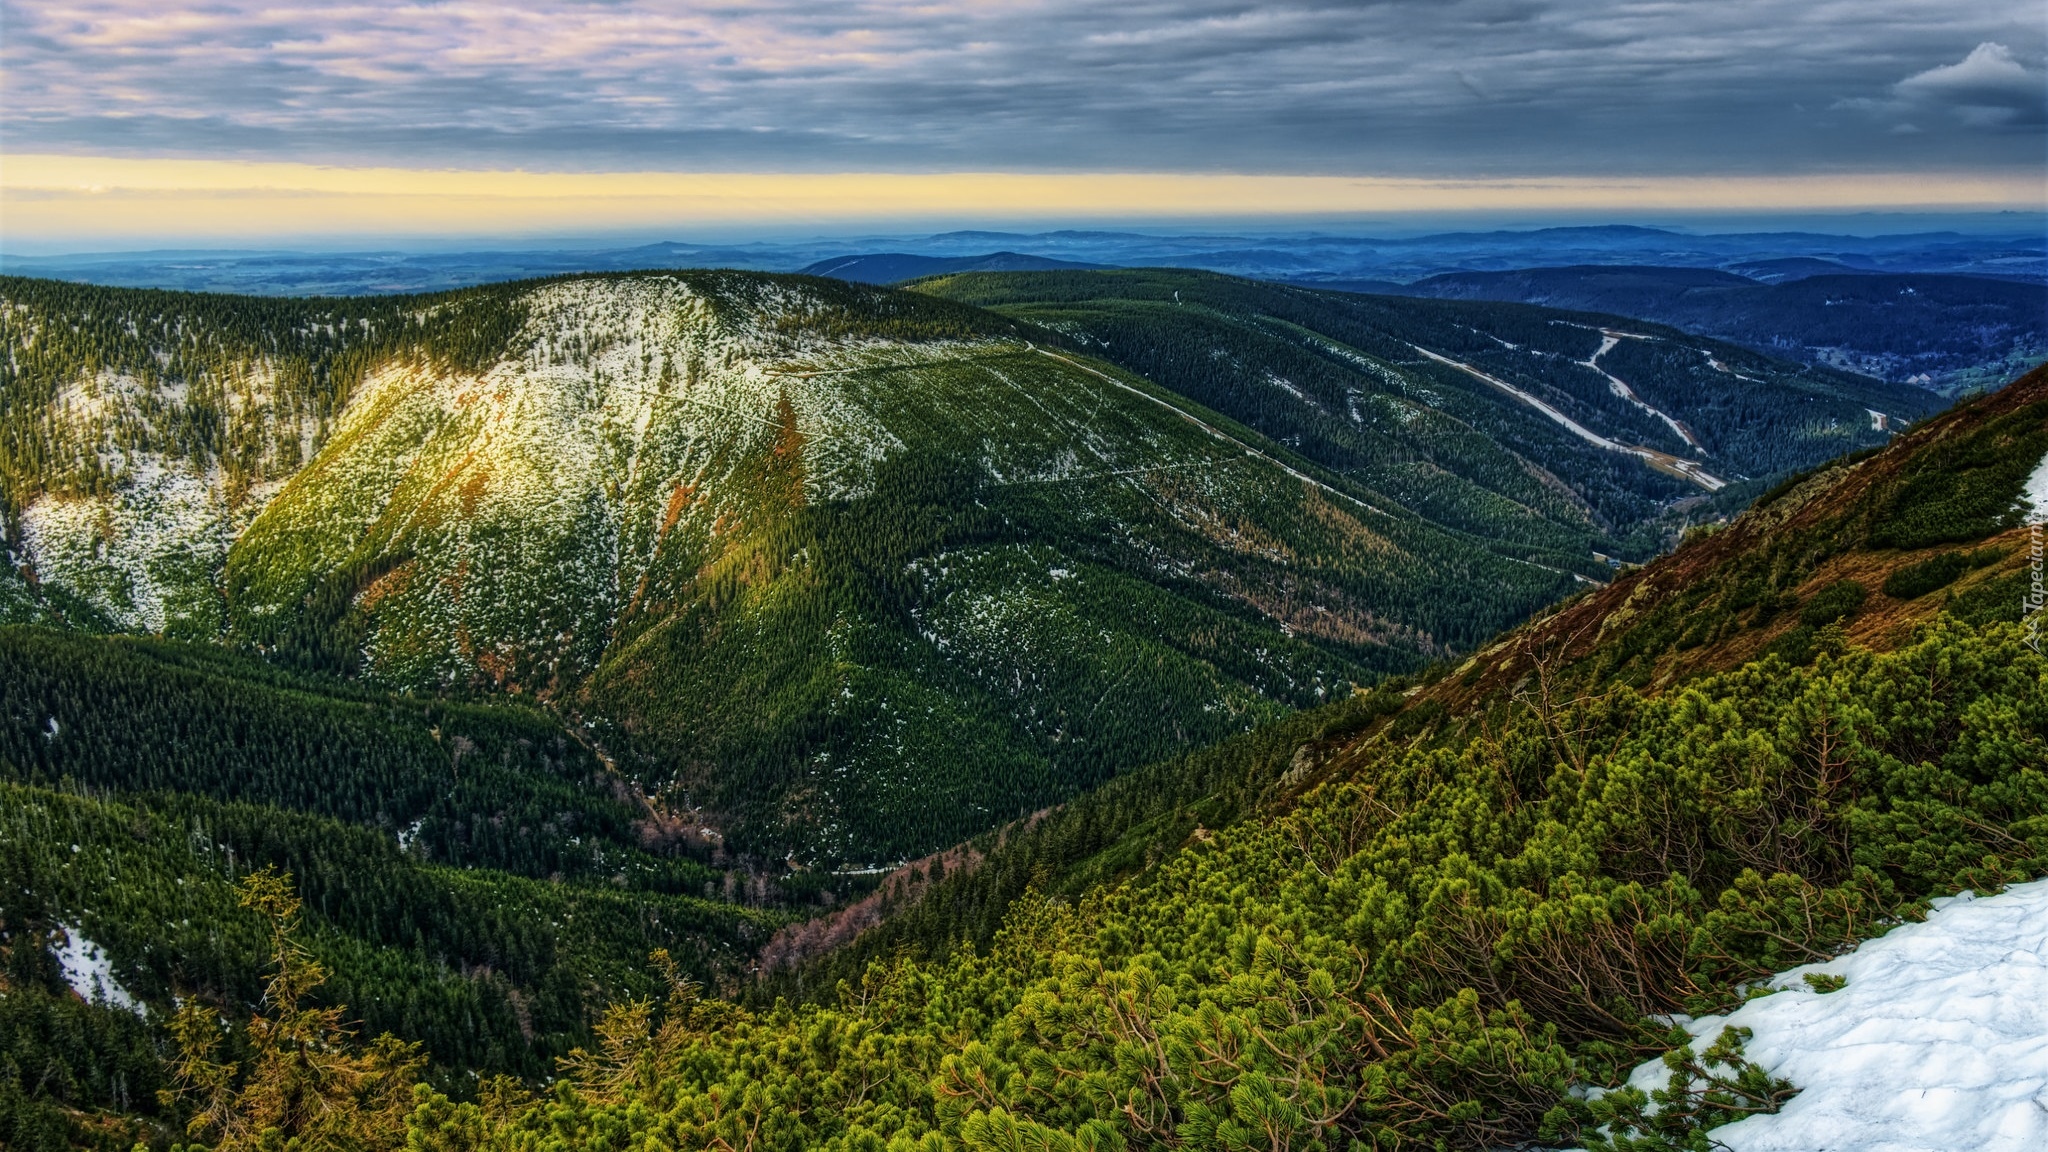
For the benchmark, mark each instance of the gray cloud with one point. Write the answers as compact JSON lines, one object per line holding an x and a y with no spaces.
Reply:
{"x":1456,"y":87}
{"x":1989,"y":88}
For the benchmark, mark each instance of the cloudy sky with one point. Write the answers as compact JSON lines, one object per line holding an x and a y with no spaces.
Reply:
{"x":1842,"y":94}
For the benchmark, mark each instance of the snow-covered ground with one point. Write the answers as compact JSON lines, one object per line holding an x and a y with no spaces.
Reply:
{"x":1937,"y":1043}
{"x":90,"y":973}
{"x":2036,"y":493}
{"x":134,"y":553}
{"x":145,"y":550}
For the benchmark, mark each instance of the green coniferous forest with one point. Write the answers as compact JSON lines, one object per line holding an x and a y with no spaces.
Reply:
{"x":851,"y":574}
{"x":1419,"y":916}
{"x":373,"y":773}
{"x":1343,"y":379}
{"x":481,"y":872}
{"x":846,"y":574}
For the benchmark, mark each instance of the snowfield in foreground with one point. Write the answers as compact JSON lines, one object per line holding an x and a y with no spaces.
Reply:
{"x":1938,"y":1043}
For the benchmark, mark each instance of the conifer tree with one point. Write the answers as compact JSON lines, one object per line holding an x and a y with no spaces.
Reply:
{"x":306,"y":1086}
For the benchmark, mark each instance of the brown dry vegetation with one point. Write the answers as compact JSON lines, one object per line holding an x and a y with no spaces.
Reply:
{"x":1819,"y":526}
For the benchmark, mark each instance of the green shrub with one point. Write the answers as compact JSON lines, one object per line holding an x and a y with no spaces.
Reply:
{"x":1427,"y":952}
{"x":1990,"y":601}
{"x":1964,"y":489}
{"x":1917,"y":580}
{"x":1835,"y":602}
{"x":1715,"y":1087}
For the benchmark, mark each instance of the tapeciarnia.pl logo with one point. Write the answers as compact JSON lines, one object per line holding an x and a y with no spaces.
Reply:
{"x":2037,"y":595}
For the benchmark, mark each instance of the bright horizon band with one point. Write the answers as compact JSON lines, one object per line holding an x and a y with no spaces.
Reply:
{"x":50,"y":197}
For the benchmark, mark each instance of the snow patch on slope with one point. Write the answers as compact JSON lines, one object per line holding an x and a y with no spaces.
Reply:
{"x":164,"y":531}
{"x":1689,"y":469}
{"x":146,"y":550}
{"x":1608,"y":340}
{"x":90,"y":973}
{"x":519,"y":510}
{"x":2035,"y":494}
{"x":1939,"y":1040}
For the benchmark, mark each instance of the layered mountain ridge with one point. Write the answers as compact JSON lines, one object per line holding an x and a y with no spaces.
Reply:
{"x":852,"y":573}
{"x":1952,"y":334}
{"x":858,"y":571}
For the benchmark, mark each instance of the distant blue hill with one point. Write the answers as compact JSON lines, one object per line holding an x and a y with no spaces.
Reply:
{"x":890,"y":267}
{"x":1796,"y":268}
{"x":1340,"y":260}
{"x":1597,"y":287}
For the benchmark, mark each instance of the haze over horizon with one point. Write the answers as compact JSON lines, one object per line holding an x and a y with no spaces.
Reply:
{"x":130,"y":125}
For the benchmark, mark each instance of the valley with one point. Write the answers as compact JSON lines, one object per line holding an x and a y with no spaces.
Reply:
{"x":855,"y":573}
{"x":1061,"y":707}
{"x":860,"y":572}
{"x":1060,"y":577}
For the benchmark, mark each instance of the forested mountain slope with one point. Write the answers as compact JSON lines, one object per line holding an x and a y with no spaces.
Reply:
{"x":854,"y":572}
{"x":1860,"y":552}
{"x":1575,"y":430}
{"x":1448,"y":911}
{"x":471,"y":870}
{"x":1426,"y":917}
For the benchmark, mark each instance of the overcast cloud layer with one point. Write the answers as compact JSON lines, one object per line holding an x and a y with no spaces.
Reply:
{"x":1439,"y":87}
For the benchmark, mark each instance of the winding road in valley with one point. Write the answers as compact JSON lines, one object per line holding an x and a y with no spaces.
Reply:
{"x":1608,"y":339}
{"x":1663,"y":462}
